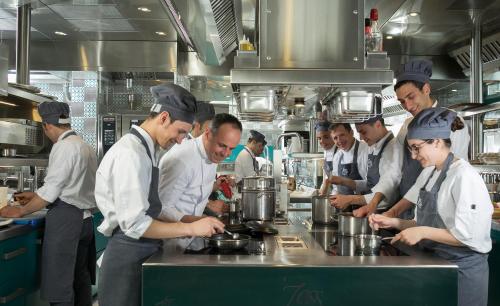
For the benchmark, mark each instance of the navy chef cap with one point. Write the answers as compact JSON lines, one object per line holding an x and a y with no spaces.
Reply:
{"x":432,"y":123}
{"x":51,"y":112}
{"x":175,"y":100}
{"x":322,"y":126}
{"x":205,"y":111}
{"x":371,"y":120}
{"x":258,"y":137}
{"x":415,"y":70}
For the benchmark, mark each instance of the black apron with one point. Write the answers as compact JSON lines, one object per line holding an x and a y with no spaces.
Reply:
{"x":254,"y":161}
{"x":473,"y":270}
{"x":349,"y":170}
{"x":373,"y":173}
{"x":68,"y":254}
{"x":120,"y":280}
{"x":409,"y":174}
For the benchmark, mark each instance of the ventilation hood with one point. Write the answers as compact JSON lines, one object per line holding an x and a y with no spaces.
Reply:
{"x":315,"y":46}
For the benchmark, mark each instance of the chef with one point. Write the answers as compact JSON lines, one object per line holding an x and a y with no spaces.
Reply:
{"x":326,"y":142}
{"x":187,"y":171}
{"x":246,"y":163}
{"x":204,"y":114}
{"x":413,"y":91}
{"x":126,"y":192}
{"x":382,"y":156}
{"x":453,"y":215}
{"x":350,"y":161}
{"x":68,"y":250}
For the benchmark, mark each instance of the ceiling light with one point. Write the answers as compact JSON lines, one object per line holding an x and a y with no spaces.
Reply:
{"x":60,"y":33}
{"x":389,"y":37}
{"x":413,"y":14}
{"x":7,"y":103}
{"x":228,"y":96}
{"x":224,"y":86}
{"x":454,"y":90}
{"x":144,"y":9}
{"x":161,"y":33}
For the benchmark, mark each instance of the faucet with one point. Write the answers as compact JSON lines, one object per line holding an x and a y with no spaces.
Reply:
{"x":289,"y":134}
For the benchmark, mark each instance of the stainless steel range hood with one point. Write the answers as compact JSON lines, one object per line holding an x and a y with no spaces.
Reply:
{"x":307,"y":49}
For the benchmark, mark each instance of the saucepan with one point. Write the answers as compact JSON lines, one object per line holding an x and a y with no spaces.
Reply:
{"x":350,"y":225}
{"x":369,"y":244}
{"x":228,"y":241}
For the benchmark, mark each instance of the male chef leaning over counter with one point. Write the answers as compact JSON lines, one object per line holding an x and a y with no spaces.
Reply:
{"x":413,"y":91}
{"x":326,"y":142}
{"x":453,"y":215}
{"x":126,"y":192}
{"x":68,"y":249}
{"x":187,"y":171}
{"x":383,"y":155}
{"x":246,"y":163}
{"x":351,"y":159}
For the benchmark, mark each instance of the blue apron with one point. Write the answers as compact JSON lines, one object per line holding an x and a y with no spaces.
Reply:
{"x":409,"y":174}
{"x":473,"y":270}
{"x":373,"y":173}
{"x":68,"y":254}
{"x":120,"y":280}
{"x":349,"y":170}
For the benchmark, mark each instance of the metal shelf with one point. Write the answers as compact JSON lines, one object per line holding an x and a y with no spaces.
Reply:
{"x":480,"y":109}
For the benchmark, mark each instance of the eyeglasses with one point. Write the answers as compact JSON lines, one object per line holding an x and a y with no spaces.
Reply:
{"x":416,"y":147}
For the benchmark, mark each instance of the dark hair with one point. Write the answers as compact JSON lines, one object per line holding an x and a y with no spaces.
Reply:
{"x":153,"y":115}
{"x":447,"y":142}
{"x":457,"y":124}
{"x":346,"y":126}
{"x":225,"y":118}
{"x":419,"y":85}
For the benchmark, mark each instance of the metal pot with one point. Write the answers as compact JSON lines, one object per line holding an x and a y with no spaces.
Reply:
{"x":258,"y":183}
{"x":350,"y":225}
{"x":346,"y":246}
{"x":367,"y":244}
{"x":227,"y":242}
{"x":322,"y":211}
{"x":258,"y":205}
{"x":9,"y":152}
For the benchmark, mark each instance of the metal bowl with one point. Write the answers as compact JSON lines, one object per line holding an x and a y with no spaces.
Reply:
{"x":226,"y":242}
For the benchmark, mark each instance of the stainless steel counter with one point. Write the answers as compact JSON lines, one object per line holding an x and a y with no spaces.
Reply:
{"x":313,"y":256}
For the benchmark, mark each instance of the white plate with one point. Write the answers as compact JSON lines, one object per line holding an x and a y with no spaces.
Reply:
{"x":6,"y":222}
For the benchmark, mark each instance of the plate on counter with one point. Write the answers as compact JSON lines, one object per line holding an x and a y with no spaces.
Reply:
{"x":5,"y":222}
{"x":36,"y":215}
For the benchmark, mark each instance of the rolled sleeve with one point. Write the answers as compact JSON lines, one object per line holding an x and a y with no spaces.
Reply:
{"x":173,"y":182}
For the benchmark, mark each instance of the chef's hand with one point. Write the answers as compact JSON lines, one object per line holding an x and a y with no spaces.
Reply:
{"x":11,"y":212}
{"x":390,"y":213}
{"x":364,"y":210}
{"x":218,"y":206}
{"x":335,"y":180}
{"x":379,"y":221}
{"x":341,"y":201}
{"x":410,"y":236}
{"x":207,"y":227}
{"x":24,"y":197}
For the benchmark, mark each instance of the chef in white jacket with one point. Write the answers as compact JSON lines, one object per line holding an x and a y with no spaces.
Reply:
{"x":413,"y":91}
{"x":246,"y":163}
{"x":126,"y":192}
{"x":187,"y":171}
{"x":383,"y":155}
{"x":350,"y":161}
{"x":453,"y":215}
{"x":326,"y":142}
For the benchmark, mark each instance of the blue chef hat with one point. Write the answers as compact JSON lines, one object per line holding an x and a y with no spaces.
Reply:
{"x":371,"y":120}
{"x":258,"y":137}
{"x":205,"y":111}
{"x":175,"y":100}
{"x":432,"y":123}
{"x":51,"y":112}
{"x":322,"y":126}
{"x":415,"y":70}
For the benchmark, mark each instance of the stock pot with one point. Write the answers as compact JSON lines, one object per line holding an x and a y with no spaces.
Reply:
{"x":322,"y":211}
{"x":350,"y":225}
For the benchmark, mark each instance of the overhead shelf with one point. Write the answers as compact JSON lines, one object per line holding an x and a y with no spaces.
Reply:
{"x":478,"y":109}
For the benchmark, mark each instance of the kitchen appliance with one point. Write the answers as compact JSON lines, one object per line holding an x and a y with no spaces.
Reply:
{"x":201,"y":246}
{"x":258,"y":198}
{"x":111,"y":127}
{"x":350,"y":225}
{"x":322,"y":211}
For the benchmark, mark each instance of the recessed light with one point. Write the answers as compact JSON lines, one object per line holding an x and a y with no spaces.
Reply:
{"x":161,"y":33}
{"x":60,"y":33}
{"x":224,"y":86}
{"x":389,"y":37}
{"x":228,"y":96}
{"x":454,"y":90}
{"x":144,"y":9}
{"x":413,"y":14}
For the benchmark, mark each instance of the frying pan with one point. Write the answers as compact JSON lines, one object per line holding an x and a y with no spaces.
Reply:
{"x":227,"y":242}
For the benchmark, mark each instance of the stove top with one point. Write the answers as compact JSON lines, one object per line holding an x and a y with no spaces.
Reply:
{"x":199,"y":246}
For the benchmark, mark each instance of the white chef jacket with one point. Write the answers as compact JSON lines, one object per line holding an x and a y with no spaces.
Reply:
{"x":347,"y":157}
{"x":463,"y":203}
{"x":389,"y":181}
{"x":243,"y":166}
{"x":187,"y":178}
{"x":71,"y":173}
{"x":328,"y":156}
{"x":122,"y":185}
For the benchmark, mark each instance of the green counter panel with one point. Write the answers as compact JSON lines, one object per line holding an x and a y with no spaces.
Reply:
{"x":202,"y":285}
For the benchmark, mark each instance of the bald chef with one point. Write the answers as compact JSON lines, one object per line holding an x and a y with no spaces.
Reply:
{"x":68,"y":249}
{"x":126,"y":192}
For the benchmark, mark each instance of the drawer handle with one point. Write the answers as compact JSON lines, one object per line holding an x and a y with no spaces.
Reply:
{"x":15,"y":253}
{"x":18,"y":292}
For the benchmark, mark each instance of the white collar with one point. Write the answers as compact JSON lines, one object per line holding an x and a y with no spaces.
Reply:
{"x":146,"y":137}
{"x":378,"y":145}
{"x":250,"y":151}
{"x":64,"y":134}
{"x":352,"y":147}
{"x":201,"y":148}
